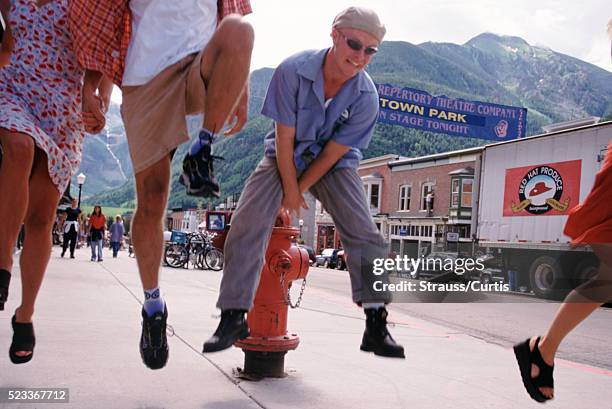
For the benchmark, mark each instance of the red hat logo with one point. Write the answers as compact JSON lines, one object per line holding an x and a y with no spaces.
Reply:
{"x":539,"y":188}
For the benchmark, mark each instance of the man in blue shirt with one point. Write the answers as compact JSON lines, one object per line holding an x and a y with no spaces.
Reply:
{"x":325,"y":107}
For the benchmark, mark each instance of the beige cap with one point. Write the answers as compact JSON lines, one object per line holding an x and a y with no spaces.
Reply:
{"x":363,"y":19}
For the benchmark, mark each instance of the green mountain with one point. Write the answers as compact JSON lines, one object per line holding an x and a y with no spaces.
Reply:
{"x":106,"y":161}
{"x":505,"y":70}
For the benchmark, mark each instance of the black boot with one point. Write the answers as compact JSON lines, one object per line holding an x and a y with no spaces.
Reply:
{"x":376,"y":337}
{"x":233,"y":326}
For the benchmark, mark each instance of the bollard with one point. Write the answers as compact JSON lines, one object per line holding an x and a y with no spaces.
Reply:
{"x":285,"y":262}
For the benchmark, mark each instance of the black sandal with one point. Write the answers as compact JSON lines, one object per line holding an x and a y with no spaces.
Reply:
{"x":525,"y":358}
{"x":5,"y":280}
{"x":23,"y":340}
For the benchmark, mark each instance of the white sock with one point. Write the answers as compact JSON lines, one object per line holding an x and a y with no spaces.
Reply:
{"x":372,"y":305}
{"x":154,"y":302}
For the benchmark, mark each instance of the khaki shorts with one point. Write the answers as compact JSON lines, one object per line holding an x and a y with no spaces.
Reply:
{"x":154,"y":113}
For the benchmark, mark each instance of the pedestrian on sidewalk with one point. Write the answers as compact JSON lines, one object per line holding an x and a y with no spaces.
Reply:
{"x":71,"y":227}
{"x":42,"y":122}
{"x":170,"y":58}
{"x":325,"y":107}
{"x":589,"y":223}
{"x":116,"y":235}
{"x":97,"y":231}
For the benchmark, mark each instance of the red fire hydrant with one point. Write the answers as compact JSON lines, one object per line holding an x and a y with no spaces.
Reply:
{"x":285,"y":262}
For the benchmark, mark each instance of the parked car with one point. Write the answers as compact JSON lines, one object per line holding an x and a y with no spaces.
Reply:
{"x":312,"y":258}
{"x":328,"y":258}
{"x":433,"y":268}
{"x":341,"y":264}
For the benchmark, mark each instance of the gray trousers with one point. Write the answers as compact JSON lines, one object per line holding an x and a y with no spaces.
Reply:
{"x":341,"y":193}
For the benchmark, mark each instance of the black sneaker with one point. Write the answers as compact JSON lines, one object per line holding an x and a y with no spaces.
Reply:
{"x":233,"y":326}
{"x":198,"y":176}
{"x":153,"y":341}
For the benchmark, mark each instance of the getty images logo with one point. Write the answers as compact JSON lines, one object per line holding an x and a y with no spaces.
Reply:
{"x":457,"y":265}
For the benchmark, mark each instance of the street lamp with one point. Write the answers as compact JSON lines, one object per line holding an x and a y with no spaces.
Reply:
{"x":80,"y":180}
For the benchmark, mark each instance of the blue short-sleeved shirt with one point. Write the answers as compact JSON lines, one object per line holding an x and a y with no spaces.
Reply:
{"x":296,"y":98}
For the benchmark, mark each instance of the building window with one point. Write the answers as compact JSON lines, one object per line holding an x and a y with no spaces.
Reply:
{"x":373,"y":195}
{"x":404,"y":197}
{"x":455,"y":193}
{"x":464,"y":230}
{"x":427,"y":191}
{"x":466,"y":192}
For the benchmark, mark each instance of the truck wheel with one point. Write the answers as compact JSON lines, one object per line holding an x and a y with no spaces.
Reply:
{"x":547,"y":280}
{"x":485,"y":278}
{"x":340,"y":264}
{"x":584,"y":271}
{"x":326,"y":264}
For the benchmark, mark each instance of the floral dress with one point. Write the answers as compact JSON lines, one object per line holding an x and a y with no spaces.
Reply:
{"x":40,"y":90}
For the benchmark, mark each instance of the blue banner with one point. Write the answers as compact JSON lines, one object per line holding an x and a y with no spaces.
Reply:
{"x":417,"y":109}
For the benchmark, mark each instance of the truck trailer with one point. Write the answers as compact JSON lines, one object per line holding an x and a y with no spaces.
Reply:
{"x":524,"y":191}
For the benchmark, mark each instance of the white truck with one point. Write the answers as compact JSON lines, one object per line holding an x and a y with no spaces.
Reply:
{"x":524,"y":191}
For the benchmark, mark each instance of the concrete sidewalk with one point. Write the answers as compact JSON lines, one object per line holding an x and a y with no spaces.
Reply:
{"x":88,"y":326}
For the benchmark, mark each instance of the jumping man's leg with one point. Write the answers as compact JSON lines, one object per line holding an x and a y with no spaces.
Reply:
{"x":224,"y":69}
{"x":152,"y":185}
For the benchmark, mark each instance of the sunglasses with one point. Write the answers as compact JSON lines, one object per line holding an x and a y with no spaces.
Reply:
{"x":357,"y":46}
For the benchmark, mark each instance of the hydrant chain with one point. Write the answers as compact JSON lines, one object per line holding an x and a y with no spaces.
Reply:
{"x":288,"y":297}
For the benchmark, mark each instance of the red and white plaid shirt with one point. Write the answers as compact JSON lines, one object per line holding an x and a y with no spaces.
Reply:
{"x":101,"y":32}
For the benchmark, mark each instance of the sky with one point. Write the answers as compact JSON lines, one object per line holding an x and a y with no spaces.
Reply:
{"x":576,"y":28}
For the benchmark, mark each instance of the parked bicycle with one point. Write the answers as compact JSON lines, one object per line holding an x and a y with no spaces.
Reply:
{"x":197,"y":250}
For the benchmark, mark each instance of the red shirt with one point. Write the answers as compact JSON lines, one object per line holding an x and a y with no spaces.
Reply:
{"x":97,"y":222}
{"x":101,"y":32}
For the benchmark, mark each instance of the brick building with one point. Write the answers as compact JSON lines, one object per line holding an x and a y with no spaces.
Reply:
{"x":376,"y":176}
{"x":431,"y":196}
{"x":415,"y":202}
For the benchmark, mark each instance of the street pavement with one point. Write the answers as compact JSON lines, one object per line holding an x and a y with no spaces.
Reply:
{"x":88,"y":326}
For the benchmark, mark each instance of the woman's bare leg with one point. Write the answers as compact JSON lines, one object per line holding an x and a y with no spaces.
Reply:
{"x":16,"y":167}
{"x":37,"y":246}
{"x":577,"y":306}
